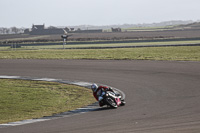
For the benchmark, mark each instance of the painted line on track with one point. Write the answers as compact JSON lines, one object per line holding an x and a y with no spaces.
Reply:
{"x":92,"y":107}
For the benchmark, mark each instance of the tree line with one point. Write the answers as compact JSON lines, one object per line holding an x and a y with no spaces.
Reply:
{"x":11,"y":30}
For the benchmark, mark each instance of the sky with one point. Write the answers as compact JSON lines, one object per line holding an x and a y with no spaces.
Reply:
{"x":24,"y":13}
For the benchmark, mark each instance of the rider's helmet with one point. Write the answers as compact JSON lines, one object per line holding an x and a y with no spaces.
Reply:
{"x":94,"y":87}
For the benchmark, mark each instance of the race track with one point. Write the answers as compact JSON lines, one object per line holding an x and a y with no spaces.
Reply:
{"x":161,"y":96}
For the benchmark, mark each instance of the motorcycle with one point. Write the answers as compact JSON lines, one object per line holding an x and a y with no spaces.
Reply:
{"x":112,"y":99}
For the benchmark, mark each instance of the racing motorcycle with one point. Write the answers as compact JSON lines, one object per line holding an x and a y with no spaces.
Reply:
{"x":112,"y":99}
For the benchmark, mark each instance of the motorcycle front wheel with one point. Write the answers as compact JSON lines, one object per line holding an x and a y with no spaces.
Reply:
{"x":111,"y":102}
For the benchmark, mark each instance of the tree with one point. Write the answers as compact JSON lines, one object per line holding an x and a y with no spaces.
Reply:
{"x":14,"y":30}
{"x":1,"y":30}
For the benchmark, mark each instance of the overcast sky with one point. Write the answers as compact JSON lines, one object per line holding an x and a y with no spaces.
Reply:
{"x":24,"y":13}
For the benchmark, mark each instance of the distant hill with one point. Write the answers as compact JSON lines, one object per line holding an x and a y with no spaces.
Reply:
{"x":195,"y":25}
{"x":126,"y":26}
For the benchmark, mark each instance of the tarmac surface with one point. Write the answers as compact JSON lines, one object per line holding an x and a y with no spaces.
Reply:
{"x":161,"y":96}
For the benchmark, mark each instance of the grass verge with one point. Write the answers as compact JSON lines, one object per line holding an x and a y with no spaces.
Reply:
{"x":102,"y":45}
{"x":22,"y":99}
{"x":186,"y":53}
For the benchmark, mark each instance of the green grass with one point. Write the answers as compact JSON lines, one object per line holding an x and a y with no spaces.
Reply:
{"x":104,"y":45}
{"x":115,"y":44}
{"x":186,"y":53}
{"x":22,"y":99}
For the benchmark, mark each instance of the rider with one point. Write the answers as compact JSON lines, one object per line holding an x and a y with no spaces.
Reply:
{"x":97,"y":92}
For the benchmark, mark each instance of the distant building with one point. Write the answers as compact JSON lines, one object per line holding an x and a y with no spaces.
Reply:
{"x":116,"y":29}
{"x":41,"y":30}
{"x":38,"y":27}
